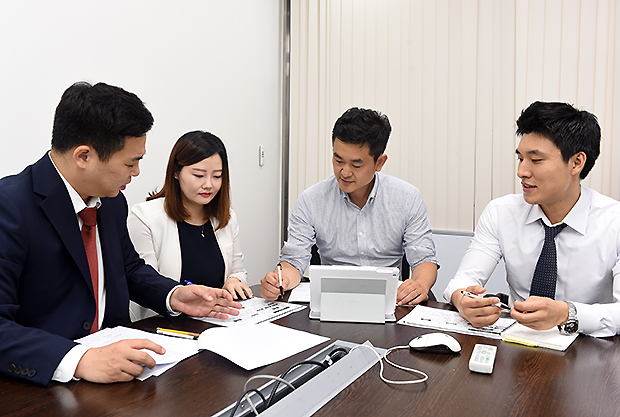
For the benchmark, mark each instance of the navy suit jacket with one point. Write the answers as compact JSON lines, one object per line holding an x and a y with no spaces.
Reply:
{"x":46,"y":295}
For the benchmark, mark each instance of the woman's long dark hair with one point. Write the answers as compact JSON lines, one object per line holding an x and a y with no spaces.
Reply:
{"x":190,"y":149}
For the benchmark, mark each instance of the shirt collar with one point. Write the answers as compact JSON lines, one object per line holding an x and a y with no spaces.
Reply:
{"x":76,"y":200}
{"x":371,"y":196}
{"x":576,"y":219}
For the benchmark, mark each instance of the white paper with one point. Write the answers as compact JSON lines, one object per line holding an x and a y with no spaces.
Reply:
{"x":257,"y":345}
{"x":254,"y":311}
{"x":551,"y":339}
{"x":177,"y":348}
{"x":452,"y":321}
{"x":300,"y":294}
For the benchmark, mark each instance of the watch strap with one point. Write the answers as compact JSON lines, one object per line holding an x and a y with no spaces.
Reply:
{"x":571,"y":325}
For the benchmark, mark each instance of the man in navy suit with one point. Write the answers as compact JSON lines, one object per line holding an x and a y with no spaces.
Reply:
{"x":47,"y":296}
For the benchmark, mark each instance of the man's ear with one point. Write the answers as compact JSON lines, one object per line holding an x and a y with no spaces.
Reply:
{"x":380,"y":162}
{"x":82,"y":155}
{"x":578,"y":162}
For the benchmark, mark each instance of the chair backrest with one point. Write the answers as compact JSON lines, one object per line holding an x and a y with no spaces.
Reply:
{"x":450,"y":247}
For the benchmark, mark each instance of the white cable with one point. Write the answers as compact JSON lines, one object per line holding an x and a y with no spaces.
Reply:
{"x":277,"y":378}
{"x":273,"y":377}
{"x":387,"y":352}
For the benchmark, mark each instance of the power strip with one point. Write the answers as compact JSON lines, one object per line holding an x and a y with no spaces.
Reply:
{"x":297,"y":377}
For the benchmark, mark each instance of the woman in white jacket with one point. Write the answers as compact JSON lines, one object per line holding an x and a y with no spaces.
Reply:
{"x":187,"y":231}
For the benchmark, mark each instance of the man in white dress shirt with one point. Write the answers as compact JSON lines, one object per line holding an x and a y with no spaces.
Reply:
{"x":574,"y":284}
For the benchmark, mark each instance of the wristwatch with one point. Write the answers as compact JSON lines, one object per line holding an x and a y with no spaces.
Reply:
{"x":571,"y":325}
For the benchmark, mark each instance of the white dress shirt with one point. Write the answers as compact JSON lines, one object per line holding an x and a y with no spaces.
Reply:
{"x":588,"y":255}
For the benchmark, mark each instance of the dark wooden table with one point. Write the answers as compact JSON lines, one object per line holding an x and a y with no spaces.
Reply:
{"x":583,"y":381}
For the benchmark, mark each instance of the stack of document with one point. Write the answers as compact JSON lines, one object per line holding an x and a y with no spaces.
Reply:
{"x":250,"y":346}
{"x":551,"y":339}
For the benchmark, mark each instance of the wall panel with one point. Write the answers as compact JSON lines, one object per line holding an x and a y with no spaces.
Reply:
{"x":453,"y":76}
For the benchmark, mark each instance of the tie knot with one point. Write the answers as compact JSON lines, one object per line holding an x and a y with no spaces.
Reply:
{"x":552,"y":231}
{"x":89,"y":216}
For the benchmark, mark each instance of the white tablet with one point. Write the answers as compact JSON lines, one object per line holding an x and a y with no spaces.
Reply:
{"x":365,"y":294}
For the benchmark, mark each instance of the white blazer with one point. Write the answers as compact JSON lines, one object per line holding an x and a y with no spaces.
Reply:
{"x":156,"y":239}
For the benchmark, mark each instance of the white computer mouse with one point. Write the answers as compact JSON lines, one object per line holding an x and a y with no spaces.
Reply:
{"x":435,"y":343}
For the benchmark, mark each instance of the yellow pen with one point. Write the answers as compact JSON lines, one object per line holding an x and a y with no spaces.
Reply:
{"x":174,"y":333}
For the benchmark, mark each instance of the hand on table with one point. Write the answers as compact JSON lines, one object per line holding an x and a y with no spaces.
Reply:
{"x":118,"y":362}
{"x":411,"y":292}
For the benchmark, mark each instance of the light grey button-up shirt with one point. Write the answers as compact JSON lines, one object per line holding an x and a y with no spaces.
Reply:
{"x":393,"y":222}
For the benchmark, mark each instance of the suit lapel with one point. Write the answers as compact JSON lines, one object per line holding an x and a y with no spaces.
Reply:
{"x":58,"y":208}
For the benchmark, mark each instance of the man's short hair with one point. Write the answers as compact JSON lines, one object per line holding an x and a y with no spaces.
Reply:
{"x":570,"y":129}
{"x":363,"y":127}
{"x":101,"y":116}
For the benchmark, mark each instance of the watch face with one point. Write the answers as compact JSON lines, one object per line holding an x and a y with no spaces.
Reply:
{"x":571,"y":327}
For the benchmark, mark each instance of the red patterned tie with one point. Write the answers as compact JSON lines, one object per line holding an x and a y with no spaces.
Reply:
{"x":89,"y":236}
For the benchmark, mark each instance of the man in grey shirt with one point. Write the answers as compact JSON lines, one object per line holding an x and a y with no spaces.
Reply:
{"x":359,"y":216}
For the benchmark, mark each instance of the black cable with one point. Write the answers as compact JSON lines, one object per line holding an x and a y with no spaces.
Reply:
{"x":234,"y":410}
{"x":277,"y":383}
{"x":333,"y":357}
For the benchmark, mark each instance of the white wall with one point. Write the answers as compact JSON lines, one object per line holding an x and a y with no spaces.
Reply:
{"x":208,"y":65}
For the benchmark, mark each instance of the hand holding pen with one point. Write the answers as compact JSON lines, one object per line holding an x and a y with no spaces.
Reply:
{"x":472,"y":295}
{"x":277,"y":281}
{"x":280,"y":279}
{"x":475,"y":308}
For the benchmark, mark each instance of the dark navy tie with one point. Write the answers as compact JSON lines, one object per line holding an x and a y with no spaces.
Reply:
{"x":546,"y":272}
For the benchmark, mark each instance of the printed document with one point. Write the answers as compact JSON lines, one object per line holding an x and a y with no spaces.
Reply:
{"x":254,"y":311}
{"x":452,"y":321}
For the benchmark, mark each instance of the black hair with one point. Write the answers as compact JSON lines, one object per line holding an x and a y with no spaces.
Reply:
{"x":101,"y":116}
{"x":570,"y":129}
{"x":363,"y":127}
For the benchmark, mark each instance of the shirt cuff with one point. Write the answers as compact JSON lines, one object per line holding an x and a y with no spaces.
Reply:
{"x":67,"y":366}
{"x":592,"y":322}
{"x":456,"y":284}
{"x":172,"y":312}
